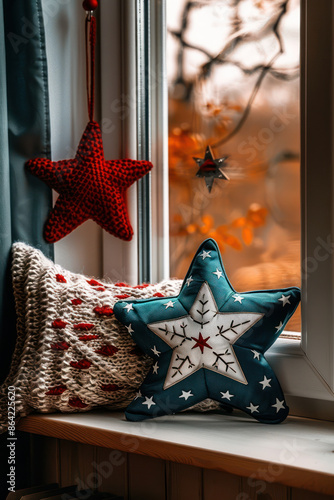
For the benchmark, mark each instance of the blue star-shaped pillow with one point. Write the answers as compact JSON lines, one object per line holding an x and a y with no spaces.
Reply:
{"x":209,"y":342}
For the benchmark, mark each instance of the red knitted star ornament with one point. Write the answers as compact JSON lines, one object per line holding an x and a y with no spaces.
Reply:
{"x":89,"y":187}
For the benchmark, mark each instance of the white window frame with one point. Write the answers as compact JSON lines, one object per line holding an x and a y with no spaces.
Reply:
{"x":305,"y":368}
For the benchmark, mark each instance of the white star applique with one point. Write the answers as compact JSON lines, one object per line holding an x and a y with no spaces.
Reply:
{"x":148,"y":402}
{"x":169,"y":304}
{"x":186,"y":395}
{"x":128,"y":307}
{"x":285,"y":299}
{"x":253,"y":408}
{"x":265,"y":382}
{"x":205,"y":254}
{"x":155,"y":367}
{"x":189,"y":280}
{"x":238,"y":298}
{"x":129,"y":329}
{"x":256,"y":354}
{"x":204,"y":339}
{"x":138,"y":395}
{"x":279,"y":405}
{"x":155,"y":351}
{"x":227,"y":395}
{"x":280,"y":325}
{"x":218,"y":273}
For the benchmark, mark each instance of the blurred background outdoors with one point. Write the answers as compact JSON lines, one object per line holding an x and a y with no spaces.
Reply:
{"x":233,"y":77}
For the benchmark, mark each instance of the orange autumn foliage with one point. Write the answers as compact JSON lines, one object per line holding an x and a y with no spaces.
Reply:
{"x":182,"y":146}
{"x":223,"y":234}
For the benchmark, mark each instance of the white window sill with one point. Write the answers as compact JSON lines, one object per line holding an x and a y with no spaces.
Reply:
{"x":299,"y":452}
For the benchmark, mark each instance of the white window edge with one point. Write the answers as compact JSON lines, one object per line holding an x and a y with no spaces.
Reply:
{"x":119,"y":114}
{"x":317,"y":189}
{"x":295,"y":371}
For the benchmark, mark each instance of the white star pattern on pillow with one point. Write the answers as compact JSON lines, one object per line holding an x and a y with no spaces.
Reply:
{"x":204,"y":339}
{"x":205,"y":254}
{"x":148,"y":402}
{"x":186,"y":395}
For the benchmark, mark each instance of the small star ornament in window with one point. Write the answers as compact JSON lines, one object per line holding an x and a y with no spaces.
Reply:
{"x":210,"y":168}
{"x":89,"y":186}
{"x":209,"y":342}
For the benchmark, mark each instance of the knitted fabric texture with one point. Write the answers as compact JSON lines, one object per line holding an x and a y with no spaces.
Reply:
{"x":71,"y":353}
{"x":89,"y":187}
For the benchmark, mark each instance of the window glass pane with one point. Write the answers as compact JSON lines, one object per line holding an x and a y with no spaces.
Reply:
{"x":233,"y":76}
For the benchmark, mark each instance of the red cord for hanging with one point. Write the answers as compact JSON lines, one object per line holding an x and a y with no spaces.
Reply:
{"x":90,"y":62}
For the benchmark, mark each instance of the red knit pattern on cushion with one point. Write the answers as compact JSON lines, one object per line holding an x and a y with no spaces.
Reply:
{"x":60,"y":278}
{"x":76,"y":302}
{"x":122,"y":284}
{"x":124,"y":296}
{"x":94,"y":283}
{"x":86,"y":338}
{"x":83,"y":364}
{"x":83,"y":326}
{"x":103,"y":311}
{"x":58,"y":324}
{"x":141,"y":287}
{"x":89,"y":187}
{"x":107,"y":350}
{"x":60,"y":346}
{"x":158,"y":294}
{"x":77,"y":403}
{"x":111,"y":387}
{"x":57,"y":390}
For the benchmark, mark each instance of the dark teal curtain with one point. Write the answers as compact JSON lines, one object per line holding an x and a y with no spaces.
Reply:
{"x":24,"y":133}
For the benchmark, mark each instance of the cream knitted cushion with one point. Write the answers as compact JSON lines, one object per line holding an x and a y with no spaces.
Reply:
{"x":71,"y":352}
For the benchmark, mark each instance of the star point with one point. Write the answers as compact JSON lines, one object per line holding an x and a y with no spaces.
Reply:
{"x":205,"y":254}
{"x":256,"y":354}
{"x":278,"y":327}
{"x":265,"y":382}
{"x":285,"y":299}
{"x":218,"y":273}
{"x":186,"y":395}
{"x":148,"y":402}
{"x":227,"y":395}
{"x":238,"y":298}
{"x":169,"y":304}
{"x":253,"y":408}
{"x":138,"y":395}
{"x":128,"y":307}
{"x":189,"y":280}
{"x":129,"y":329}
{"x":155,"y":351}
{"x":279,"y":405}
{"x":155,"y":367}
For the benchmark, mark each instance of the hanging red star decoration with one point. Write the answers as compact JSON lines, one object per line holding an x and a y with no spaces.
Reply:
{"x":89,"y":186}
{"x":210,"y":168}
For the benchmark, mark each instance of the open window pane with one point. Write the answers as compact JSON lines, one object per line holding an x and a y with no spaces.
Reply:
{"x":233,"y":75}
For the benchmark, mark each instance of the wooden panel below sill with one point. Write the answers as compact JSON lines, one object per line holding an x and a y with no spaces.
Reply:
{"x":298,"y":452}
